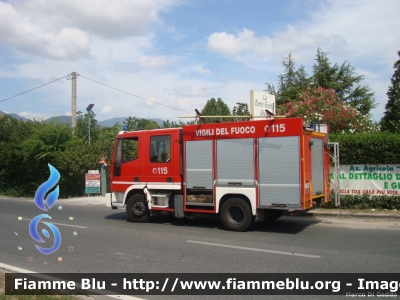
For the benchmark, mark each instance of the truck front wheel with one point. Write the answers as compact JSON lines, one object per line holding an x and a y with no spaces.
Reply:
{"x":236,"y":214}
{"x":137,"y":209}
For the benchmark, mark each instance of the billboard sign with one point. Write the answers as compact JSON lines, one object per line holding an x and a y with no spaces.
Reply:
{"x":259,"y":102}
{"x":92,"y":183}
{"x":374,"y":180}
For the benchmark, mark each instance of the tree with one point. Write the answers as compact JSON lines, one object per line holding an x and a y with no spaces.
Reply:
{"x":7,"y":127}
{"x":26,"y":149}
{"x":147,"y":124}
{"x":216,"y":108}
{"x":173,"y":124}
{"x":291,"y":83}
{"x":82,"y":127}
{"x":130,"y":122}
{"x":343,"y":81}
{"x":14,"y":177}
{"x":341,"y":78}
{"x":45,"y":145}
{"x":391,"y":119}
{"x":108,"y":134}
{"x":134,"y":123}
{"x":242,"y":109}
{"x":323,"y":106}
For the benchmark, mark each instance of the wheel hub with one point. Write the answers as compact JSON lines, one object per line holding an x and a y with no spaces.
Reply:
{"x":236,"y":215}
{"x":138,"y":209}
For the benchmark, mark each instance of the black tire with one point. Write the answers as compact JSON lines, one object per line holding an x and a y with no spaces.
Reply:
{"x":271,"y":215}
{"x":137,"y":209}
{"x":236,"y":214}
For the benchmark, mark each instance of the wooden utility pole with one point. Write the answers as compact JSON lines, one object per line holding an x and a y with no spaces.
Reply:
{"x":73,"y":104}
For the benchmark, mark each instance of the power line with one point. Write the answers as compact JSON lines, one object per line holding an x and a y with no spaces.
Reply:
{"x":66,"y":76}
{"x":35,"y":88}
{"x":132,"y":94}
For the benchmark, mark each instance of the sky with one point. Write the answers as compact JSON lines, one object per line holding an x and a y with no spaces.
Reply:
{"x":174,"y":55}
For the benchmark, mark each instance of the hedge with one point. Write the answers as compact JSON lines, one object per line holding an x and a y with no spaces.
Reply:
{"x":366,"y":202}
{"x":368,"y":148}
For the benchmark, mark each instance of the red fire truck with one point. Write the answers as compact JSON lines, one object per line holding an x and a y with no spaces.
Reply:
{"x":244,"y":172}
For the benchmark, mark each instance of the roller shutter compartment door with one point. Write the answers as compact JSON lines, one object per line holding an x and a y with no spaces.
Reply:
{"x":279,"y":171}
{"x":235,"y":162}
{"x":317,"y":161}
{"x":199,"y":165}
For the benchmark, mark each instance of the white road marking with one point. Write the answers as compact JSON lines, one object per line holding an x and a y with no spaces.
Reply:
{"x":81,"y":203}
{"x":68,"y":225}
{"x":254,"y":249}
{"x":19,"y":270}
{"x":14,"y":269}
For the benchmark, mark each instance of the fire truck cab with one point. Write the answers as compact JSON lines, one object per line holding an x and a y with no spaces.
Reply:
{"x":241,"y":171}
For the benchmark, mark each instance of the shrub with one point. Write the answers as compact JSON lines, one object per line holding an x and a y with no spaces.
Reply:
{"x":368,"y":148}
{"x":366,"y":202}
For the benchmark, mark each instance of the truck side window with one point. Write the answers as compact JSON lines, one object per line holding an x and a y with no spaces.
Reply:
{"x":129,"y":149}
{"x":160,"y":148}
{"x":118,"y":153}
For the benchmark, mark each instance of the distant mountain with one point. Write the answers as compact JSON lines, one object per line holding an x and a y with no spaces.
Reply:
{"x":15,"y":116}
{"x":67,"y":120}
{"x":18,"y":117}
{"x":113,"y":121}
{"x":60,"y":119}
{"x":105,"y":123}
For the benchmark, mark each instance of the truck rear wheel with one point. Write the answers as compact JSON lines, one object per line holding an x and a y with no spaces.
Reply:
{"x":137,"y":209}
{"x":236,"y":214}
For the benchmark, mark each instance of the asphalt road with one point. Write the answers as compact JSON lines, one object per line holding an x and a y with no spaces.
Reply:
{"x":99,"y":239}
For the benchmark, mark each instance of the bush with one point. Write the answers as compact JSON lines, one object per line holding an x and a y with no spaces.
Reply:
{"x":26,"y":149}
{"x":368,"y":148}
{"x":366,"y":202}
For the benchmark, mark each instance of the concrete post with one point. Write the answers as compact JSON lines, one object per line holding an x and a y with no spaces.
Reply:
{"x":103,"y":180}
{"x":73,"y":104}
